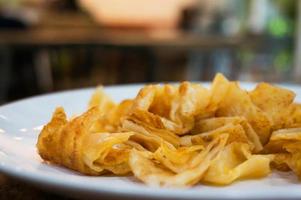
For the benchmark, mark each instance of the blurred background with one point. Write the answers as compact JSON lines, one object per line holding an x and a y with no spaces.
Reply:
{"x":52,"y":45}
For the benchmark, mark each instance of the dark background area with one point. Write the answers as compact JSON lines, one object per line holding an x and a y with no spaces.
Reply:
{"x":48,"y":46}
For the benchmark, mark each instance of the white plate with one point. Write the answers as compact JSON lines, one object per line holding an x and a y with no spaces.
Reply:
{"x":20,"y":123}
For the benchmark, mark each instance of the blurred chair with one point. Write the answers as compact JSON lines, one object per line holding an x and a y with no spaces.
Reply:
{"x":7,"y":22}
{"x":5,"y":72}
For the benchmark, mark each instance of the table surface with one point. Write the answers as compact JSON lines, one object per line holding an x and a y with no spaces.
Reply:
{"x":11,"y":189}
{"x":75,"y":28}
{"x":103,"y":36}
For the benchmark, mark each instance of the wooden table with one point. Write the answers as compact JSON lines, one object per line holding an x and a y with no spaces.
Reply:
{"x":41,"y":37}
{"x":12,"y":189}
